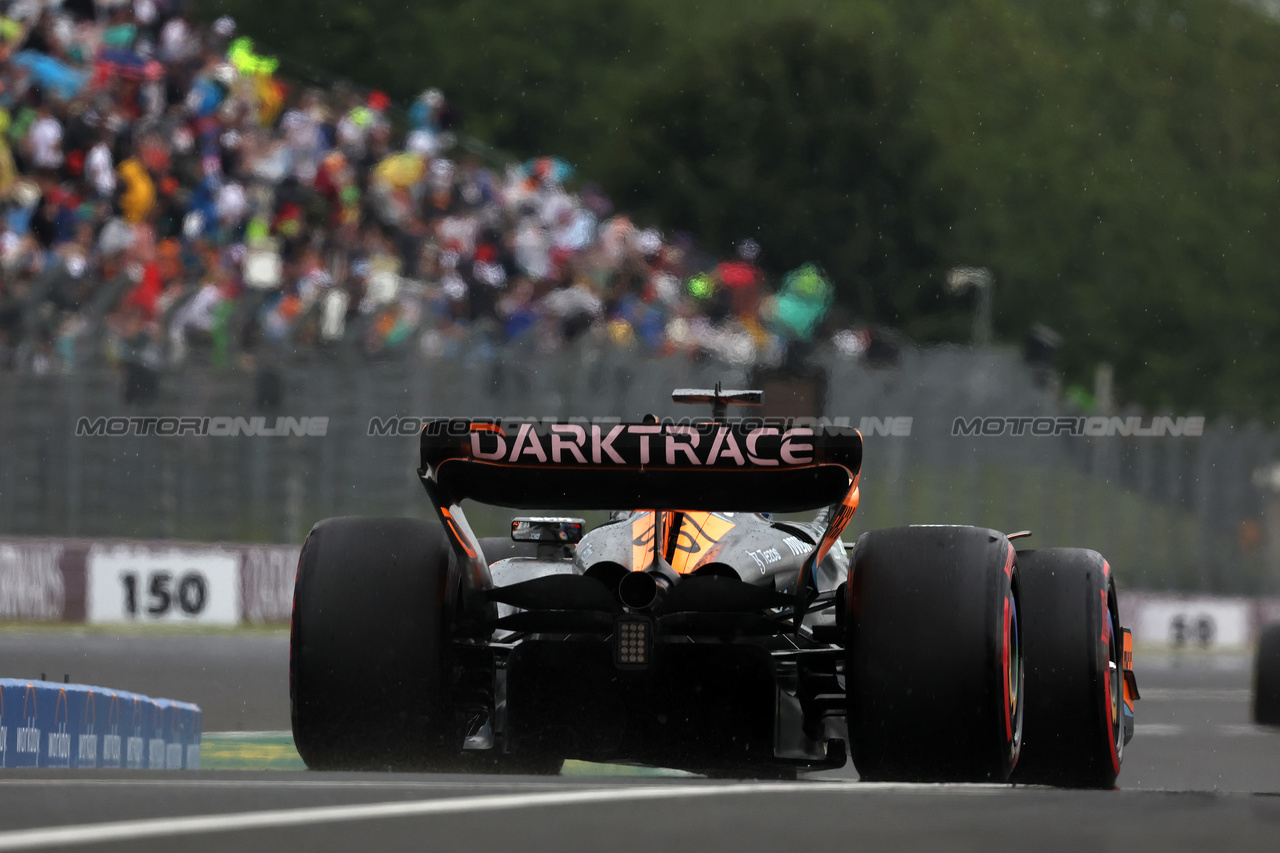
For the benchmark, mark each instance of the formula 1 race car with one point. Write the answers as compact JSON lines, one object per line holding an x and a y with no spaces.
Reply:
{"x":695,"y":629}
{"x":1266,"y":678}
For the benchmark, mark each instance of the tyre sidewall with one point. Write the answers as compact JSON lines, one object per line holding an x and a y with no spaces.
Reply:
{"x":925,"y":668}
{"x":1266,"y":679}
{"x":368,"y":651}
{"x":1074,"y":730}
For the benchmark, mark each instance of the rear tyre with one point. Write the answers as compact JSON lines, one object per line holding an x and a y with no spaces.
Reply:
{"x":933,"y":666}
{"x":1075,"y":681}
{"x":1266,"y":679}
{"x":367,"y":685}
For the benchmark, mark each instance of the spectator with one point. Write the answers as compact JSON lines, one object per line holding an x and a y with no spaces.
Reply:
{"x":166,"y":185}
{"x":44,"y":141}
{"x":99,"y":167}
{"x":138,"y":192}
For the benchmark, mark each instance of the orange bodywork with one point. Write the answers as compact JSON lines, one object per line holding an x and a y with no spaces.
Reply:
{"x":695,"y":534}
{"x":642,"y":540}
{"x":1126,"y":666}
{"x":685,"y":548}
{"x":843,"y":515}
{"x":698,"y":533}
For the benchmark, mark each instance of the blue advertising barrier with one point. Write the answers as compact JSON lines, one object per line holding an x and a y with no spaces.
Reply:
{"x":43,"y":724}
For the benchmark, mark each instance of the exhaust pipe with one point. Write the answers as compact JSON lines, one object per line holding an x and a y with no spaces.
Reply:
{"x":643,"y":590}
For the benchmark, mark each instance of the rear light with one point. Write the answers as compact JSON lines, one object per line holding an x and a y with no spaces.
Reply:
{"x":632,"y":643}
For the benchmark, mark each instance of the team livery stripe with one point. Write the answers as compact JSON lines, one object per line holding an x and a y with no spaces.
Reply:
{"x":456,"y":533}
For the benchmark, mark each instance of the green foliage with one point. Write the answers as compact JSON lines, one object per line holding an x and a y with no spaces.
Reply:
{"x":1115,"y":162}
{"x":801,"y":138}
{"x":1120,"y":160}
{"x":530,"y":77}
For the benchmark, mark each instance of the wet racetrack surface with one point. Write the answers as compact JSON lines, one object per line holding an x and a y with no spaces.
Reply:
{"x":1198,"y":775}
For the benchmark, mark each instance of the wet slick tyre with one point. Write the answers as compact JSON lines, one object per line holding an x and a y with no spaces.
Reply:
{"x":1074,"y":734}
{"x":1266,"y":679}
{"x":933,"y":666}
{"x":366,"y":655}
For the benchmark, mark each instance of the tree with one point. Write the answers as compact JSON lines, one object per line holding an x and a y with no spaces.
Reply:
{"x":536,"y":77}
{"x":1115,"y":163}
{"x":801,"y":138}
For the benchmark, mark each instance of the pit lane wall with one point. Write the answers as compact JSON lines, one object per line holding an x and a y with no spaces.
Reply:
{"x":43,"y":724}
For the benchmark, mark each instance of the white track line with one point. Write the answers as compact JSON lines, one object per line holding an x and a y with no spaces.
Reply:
{"x":1195,"y":694}
{"x":177,"y":781}
{"x":1244,"y":730}
{"x":131,"y":830}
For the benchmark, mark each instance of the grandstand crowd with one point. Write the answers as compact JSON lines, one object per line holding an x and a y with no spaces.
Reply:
{"x":168,"y":195}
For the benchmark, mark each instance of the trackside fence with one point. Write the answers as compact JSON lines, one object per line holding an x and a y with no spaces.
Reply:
{"x":1190,"y":510}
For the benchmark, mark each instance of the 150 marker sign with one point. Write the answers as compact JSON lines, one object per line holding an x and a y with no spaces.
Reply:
{"x":171,"y":585}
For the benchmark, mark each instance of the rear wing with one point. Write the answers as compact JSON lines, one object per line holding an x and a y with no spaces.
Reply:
{"x":746,"y":465}
{"x":732,"y":466}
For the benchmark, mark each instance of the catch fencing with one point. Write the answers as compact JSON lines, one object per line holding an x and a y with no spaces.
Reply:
{"x":1171,"y":512}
